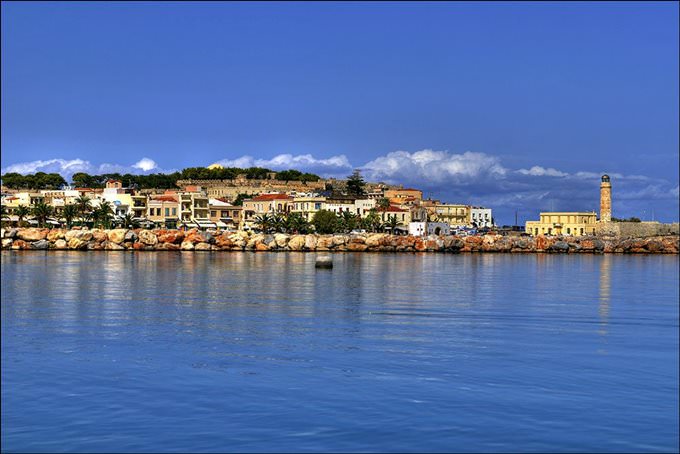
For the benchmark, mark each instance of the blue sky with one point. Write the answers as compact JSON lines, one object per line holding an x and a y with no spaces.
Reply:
{"x":518,"y":106}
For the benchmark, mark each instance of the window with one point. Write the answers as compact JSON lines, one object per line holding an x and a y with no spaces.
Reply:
{"x":581,"y":230}
{"x":536,"y":231}
{"x":213,"y":213}
{"x":568,"y":230}
{"x":167,"y":212}
{"x":174,"y":211}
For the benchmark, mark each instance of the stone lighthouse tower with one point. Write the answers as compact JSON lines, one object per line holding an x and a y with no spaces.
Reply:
{"x":605,"y":199}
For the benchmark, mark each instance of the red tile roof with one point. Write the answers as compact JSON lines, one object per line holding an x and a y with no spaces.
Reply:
{"x":267,"y":197}
{"x":165,"y":198}
{"x":393,"y":209}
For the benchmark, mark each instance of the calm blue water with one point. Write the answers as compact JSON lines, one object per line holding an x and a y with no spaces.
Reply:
{"x":386,"y":352}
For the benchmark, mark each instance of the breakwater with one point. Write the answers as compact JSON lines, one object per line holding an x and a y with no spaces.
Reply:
{"x":194,"y":240}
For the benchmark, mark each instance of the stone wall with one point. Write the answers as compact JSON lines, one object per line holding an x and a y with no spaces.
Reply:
{"x":193,"y":240}
{"x":635,"y":229}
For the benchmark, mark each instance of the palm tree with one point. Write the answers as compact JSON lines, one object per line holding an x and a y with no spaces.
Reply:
{"x":264,"y":222}
{"x":372,"y":221}
{"x":383,"y":202}
{"x":103,"y":213}
{"x":278,"y":223}
{"x":296,"y":223}
{"x":348,"y":221}
{"x":391,"y":222}
{"x":42,"y":211}
{"x":84,"y":207}
{"x":129,"y":222}
{"x":22,"y":211}
{"x":69,"y":213}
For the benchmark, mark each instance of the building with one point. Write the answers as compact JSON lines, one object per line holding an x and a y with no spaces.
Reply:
{"x":402,"y":215}
{"x":163,"y":209}
{"x":481,"y":217}
{"x":265,"y":204}
{"x":574,"y":223}
{"x":307,"y":206}
{"x":224,"y":214}
{"x":454,"y":215}
{"x":428,"y":228}
{"x":193,"y":208}
{"x":403,"y":197}
{"x":563,"y":223}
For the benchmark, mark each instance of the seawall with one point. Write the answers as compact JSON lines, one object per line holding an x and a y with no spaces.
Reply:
{"x":193,"y":240}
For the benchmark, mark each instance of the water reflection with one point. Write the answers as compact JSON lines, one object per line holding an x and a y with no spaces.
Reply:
{"x":605,"y":293}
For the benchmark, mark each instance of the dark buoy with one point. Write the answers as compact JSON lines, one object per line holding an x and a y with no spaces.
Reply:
{"x":324,"y":261}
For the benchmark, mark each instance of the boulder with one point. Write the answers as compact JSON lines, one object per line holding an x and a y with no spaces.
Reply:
{"x":202,"y":247}
{"x":6,"y":243}
{"x":55,"y":234}
{"x":324,"y":243}
{"x":296,"y":243}
{"x":170,"y":236}
{"x":187,"y":246}
{"x":60,"y":244}
{"x":32,"y":234}
{"x":99,"y":235}
{"x":20,"y":244}
{"x":310,"y":242}
{"x":374,"y":239}
{"x":77,"y":243}
{"x":131,"y":236}
{"x":167,"y":247}
{"x":11,"y":233}
{"x":41,"y":244}
{"x":281,"y":239}
{"x":148,"y":237}
{"x":560,"y":246}
{"x":111,"y":246}
{"x":261,"y":247}
{"x":116,"y":235}
{"x":356,"y":247}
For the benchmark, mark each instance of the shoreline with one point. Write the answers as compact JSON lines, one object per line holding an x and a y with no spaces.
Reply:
{"x":194,"y":240}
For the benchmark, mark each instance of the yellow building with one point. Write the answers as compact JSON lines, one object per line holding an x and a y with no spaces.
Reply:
{"x":565,"y":223}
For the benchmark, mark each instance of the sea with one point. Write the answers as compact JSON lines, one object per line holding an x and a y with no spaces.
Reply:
{"x":385,"y":352}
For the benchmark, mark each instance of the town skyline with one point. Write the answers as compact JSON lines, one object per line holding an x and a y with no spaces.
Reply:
{"x":519,"y":107}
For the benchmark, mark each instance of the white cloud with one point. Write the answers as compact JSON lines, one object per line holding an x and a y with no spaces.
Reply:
{"x":538,"y":171}
{"x":67,"y":167}
{"x":145,"y":164}
{"x":287,"y":161}
{"x":430,"y":166}
{"x":675,"y":192}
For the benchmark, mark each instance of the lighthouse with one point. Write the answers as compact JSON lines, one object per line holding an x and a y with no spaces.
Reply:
{"x":605,"y":199}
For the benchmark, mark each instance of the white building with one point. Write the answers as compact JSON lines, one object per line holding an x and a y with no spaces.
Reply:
{"x":428,"y":228}
{"x":481,"y":217}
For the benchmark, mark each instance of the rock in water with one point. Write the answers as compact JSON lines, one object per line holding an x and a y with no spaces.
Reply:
{"x":324,"y":261}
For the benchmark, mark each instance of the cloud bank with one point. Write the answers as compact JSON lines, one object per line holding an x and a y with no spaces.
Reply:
{"x":67,"y":167}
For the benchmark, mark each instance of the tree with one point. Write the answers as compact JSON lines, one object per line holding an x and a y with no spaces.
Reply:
{"x":356,"y":184}
{"x":22,"y":211}
{"x":238,"y":201}
{"x":69,"y":213}
{"x":42,"y":211}
{"x":382,"y":202}
{"x":102,"y":214}
{"x":84,"y":207}
{"x":325,"y":221}
{"x":391,"y":222}
{"x":264,"y":222}
{"x":296,"y":223}
{"x":372,"y":222}
{"x":129,"y":222}
{"x":347,"y":221}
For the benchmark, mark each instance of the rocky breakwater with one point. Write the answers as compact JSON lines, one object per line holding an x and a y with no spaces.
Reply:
{"x":194,"y":240}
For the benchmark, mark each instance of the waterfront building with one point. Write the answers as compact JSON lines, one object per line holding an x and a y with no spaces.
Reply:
{"x":428,"y":228}
{"x":224,"y":214}
{"x":307,"y":206}
{"x":453,"y":214}
{"x":363,"y":207}
{"x":481,"y":217}
{"x":403,"y":215}
{"x":563,"y":223}
{"x":163,"y":209}
{"x":339,"y":204}
{"x":575,"y":223}
{"x":193,"y":208}
{"x":265,"y":204}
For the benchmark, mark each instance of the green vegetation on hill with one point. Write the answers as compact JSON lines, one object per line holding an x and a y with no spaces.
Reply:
{"x":43,"y":180}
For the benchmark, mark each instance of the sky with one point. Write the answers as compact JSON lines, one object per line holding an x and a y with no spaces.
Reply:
{"x":516,"y":106}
